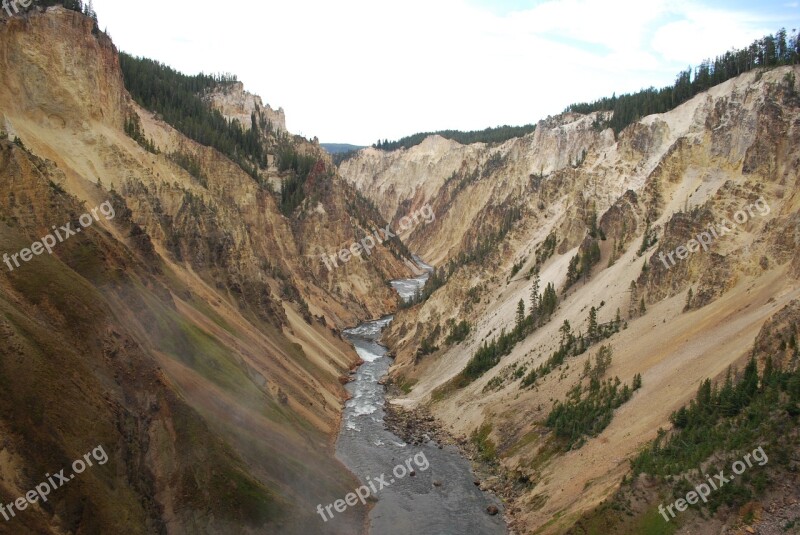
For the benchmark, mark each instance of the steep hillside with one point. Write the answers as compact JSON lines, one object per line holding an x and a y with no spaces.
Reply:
{"x":743,"y":429}
{"x":597,"y":216}
{"x":191,"y":330}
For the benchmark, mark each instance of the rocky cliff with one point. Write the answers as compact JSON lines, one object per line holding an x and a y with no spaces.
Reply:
{"x":236,"y":103}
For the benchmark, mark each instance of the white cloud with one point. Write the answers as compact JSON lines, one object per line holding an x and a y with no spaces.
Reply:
{"x":356,"y":70}
{"x":707,"y":31}
{"x":615,"y":24}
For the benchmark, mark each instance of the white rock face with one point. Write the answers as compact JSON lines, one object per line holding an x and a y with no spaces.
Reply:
{"x":236,"y":103}
{"x":724,"y":119}
{"x":417,"y":174}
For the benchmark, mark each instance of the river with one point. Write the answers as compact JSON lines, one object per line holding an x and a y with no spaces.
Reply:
{"x":406,"y":505}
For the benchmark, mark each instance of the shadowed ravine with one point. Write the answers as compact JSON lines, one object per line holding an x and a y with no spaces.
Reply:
{"x":409,"y":505}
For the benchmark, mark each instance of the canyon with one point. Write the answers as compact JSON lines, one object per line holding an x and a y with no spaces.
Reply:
{"x":201,"y":340}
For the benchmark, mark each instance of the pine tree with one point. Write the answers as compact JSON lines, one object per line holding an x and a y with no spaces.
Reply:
{"x":593,"y":223}
{"x":589,"y":259}
{"x":748,"y":386}
{"x":642,"y":307}
{"x":549,"y":301}
{"x":90,"y":12}
{"x":613,"y":257}
{"x":604,"y":357}
{"x":535,"y":297}
{"x":727,"y":396}
{"x":648,"y":239}
{"x":573,"y":272}
{"x":566,"y":333}
{"x":680,"y":418}
{"x":520,"y":314}
{"x":591,"y":332}
{"x":632,"y":304}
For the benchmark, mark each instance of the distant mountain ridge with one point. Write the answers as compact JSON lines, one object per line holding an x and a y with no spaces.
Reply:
{"x":498,"y":134}
{"x":339,"y":148}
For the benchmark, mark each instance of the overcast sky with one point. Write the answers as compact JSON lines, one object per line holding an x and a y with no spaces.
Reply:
{"x":354,"y":71}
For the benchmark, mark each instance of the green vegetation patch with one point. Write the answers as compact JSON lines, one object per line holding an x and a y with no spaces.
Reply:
{"x":486,"y":446}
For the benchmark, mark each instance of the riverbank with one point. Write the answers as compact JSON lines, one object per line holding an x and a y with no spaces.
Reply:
{"x":417,"y":426}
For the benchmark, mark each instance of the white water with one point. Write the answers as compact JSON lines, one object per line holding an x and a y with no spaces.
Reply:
{"x":407,"y":288}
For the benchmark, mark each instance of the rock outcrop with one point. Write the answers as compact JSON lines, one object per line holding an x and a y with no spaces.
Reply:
{"x":236,"y":103}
